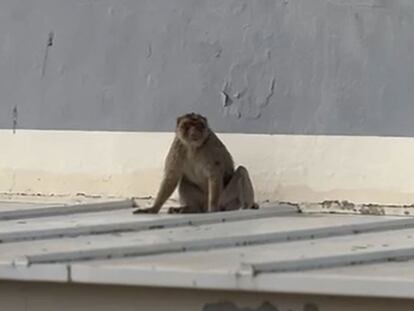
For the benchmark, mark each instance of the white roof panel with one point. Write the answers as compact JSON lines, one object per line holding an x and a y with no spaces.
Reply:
{"x":273,"y":249}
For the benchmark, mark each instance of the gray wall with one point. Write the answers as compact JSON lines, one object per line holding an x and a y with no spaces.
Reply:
{"x":252,"y":66}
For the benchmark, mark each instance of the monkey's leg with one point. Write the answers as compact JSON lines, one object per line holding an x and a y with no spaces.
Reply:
{"x":215,"y":188}
{"x":193,"y":200}
{"x":238,"y":193}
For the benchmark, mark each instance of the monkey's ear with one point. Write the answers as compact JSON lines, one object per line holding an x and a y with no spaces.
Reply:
{"x":179,"y":119}
{"x":204,"y":119}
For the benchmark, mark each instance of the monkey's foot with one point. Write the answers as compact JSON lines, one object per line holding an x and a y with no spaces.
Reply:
{"x":177,"y":210}
{"x":144,"y":211}
{"x":183,"y":210}
{"x":253,"y":206}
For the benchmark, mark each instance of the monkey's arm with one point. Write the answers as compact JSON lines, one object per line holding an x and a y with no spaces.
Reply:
{"x":172,"y":175}
{"x":167,"y":187}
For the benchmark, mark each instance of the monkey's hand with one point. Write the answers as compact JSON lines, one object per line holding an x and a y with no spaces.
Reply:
{"x":150,"y":210}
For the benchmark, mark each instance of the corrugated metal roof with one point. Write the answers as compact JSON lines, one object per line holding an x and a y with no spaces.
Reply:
{"x":273,"y":249}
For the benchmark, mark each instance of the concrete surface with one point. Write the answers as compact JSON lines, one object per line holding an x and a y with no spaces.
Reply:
{"x":29,"y":296}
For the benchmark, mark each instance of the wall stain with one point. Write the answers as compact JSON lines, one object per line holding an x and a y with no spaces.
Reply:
{"x":48,"y":46}
{"x":365,"y":209}
{"x":13,"y":182}
{"x":15,"y":116}
{"x":239,"y":7}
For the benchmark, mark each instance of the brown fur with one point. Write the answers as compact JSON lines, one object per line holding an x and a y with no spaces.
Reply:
{"x":203,"y":169}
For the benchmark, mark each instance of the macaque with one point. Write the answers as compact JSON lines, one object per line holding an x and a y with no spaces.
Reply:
{"x":203,"y":169}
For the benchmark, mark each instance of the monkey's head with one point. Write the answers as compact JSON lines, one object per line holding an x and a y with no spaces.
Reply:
{"x":192,"y":129}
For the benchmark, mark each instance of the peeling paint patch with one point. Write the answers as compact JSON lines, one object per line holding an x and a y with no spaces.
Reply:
{"x":250,"y":85}
{"x":204,"y":52}
{"x":149,"y":50}
{"x":270,"y":94}
{"x":229,"y":306}
{"x":227,"y":101}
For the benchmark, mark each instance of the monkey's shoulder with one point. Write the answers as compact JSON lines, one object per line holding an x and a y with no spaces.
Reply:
{"x":218,"y":149}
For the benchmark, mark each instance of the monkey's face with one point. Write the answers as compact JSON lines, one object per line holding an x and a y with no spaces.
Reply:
{"x":192,"y":129}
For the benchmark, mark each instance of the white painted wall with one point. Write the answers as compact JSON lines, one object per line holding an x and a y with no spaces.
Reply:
{"x":283,"y":167}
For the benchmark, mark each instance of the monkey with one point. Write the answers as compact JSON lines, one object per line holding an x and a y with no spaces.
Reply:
{"x":203,"y":169}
